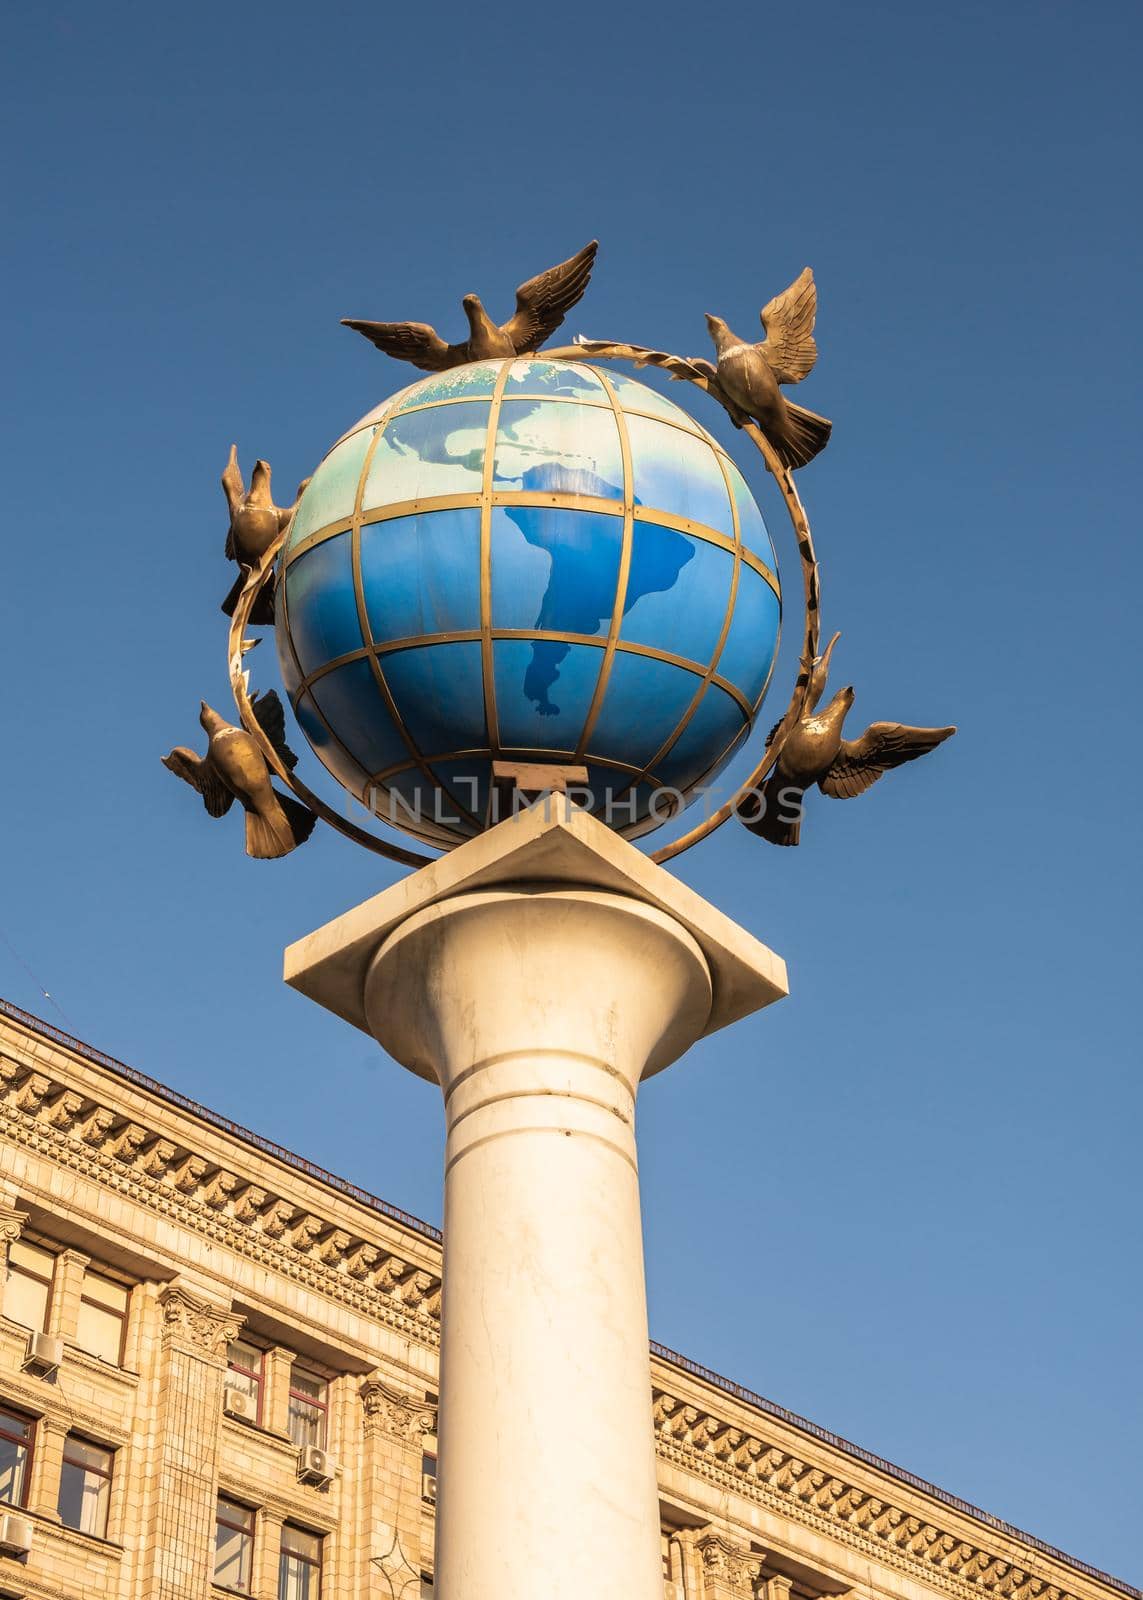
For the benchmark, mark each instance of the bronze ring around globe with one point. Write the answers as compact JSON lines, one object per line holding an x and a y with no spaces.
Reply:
{"x":485,"y":500}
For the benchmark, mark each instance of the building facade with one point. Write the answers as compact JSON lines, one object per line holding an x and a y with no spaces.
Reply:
{"x":218,"y":1370}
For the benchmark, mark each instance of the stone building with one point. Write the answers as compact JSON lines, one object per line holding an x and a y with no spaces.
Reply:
{"x":217,"y":1376}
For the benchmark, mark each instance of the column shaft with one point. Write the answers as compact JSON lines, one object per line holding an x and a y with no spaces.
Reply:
{"x":539,"y":1012}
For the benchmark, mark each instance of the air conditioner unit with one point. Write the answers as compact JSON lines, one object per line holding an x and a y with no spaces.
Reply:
{"x":314,"y":1466}
{"x":15,"y":1535}
{"x":429,"y":1487}
{"x":44,"y":1354}
{"x":237,"y":1403}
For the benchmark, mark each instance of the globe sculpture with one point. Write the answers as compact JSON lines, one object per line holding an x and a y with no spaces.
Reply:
{"x":530,"y":561}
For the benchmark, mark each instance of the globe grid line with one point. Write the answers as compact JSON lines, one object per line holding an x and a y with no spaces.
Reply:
{"x":619,"y":603}
{"x":523,"y":497}
{"x":489,"y":498}
{"x":811,"y":594}
{"x":390,"y":407}
{"x":710,"y":675}
{"x":588,"y":641}
{"x":367,"y":630}
{"x":487,"y":477}
{"x":428,"y":835}
{"x":237,"y":646}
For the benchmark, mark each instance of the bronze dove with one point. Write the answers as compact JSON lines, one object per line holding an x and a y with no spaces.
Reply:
{"x":255,"y":523}
{"x":234,"y":768}
{"x":541,"y":305}
{"x":747,"y":377}
{"x":816,"y":751}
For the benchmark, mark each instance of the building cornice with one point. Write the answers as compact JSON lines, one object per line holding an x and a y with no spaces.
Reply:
{"x":290,"y":1234}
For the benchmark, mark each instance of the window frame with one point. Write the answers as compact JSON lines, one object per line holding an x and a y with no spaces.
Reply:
{"x":12,"y":1269}
{"x":27,"y":1443}
{"x":285,"y":1555}
{"x":321,"y":1405}
{"x":257,"y":1378}
{"x":120,"y":1316}
{"x":108,"y":1477}
{"x":248,"y":1532}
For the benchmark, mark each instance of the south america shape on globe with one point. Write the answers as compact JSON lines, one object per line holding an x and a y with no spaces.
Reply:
{"x":580,"y":595}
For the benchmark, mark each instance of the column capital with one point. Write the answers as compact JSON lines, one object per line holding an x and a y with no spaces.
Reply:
{"x":52,"y":1424}
{"x":729,"y":1570}
{"x":562,"y":847}
{"x":12,"y":1221}
{"x":200,"y":1324}
{"x":394,"y":1412}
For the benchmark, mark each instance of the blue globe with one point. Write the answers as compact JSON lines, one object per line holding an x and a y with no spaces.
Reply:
{"x":530,"y":561}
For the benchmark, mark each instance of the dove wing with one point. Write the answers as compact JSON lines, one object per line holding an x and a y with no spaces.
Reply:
{"x":201,"y":774}
{"x":234,"y":489}
{"x":543,"y":302}
{"x":272,"y":721}
{"x":410,"y":341}
{"x":883,"y":745}
{"x":789,"y":349}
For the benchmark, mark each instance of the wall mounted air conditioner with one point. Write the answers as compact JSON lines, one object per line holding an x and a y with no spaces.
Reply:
{"x":314,"y":1466}
{"x":237,"y":1403}
{"x":44,"y":1354}
{"x":15,"y":1535}
{"x":429,"y":1487}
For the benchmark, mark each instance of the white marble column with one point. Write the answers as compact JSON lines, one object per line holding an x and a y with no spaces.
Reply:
{"x":538,"y":974}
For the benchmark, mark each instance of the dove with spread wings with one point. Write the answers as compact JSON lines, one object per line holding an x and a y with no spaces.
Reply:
{"x":747,"y":378}
{"x":234,"y":768}
{"x":816,"y":751}
{"x":541,"y":305}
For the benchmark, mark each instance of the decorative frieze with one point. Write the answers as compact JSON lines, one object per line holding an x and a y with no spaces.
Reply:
{"x":126,"y":1142}
{"x":32,"y":1091}
{"x":174,"y":1180}
{"x":702,"y":1443}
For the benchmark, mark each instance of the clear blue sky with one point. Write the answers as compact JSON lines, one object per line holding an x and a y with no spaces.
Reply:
{"x":906,"y":1202}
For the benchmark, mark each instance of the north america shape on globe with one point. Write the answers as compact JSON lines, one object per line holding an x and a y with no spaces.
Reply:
{"x":529,"y":560}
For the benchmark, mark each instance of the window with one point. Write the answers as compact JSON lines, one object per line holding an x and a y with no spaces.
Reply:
{"x":309,"y":1409}
{"x":102,"y":1317}
{"x":85,"y":1486}
{"x":233,"y":1544}
{"x":15,"y":1452}
{"x":29,"y":1286}
{"x":245,"y":1363}
{"x":299,"y":1566}
{"x":429,"y":1478}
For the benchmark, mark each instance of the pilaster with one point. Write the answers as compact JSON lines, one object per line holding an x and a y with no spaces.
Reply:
{"x":196,"y":1330}
{"x":67,"y":1286}
{"x":47,"y":1464}
{"x":267,"y":1554}
{"x":395,"y":1426}
{"x":276,"y":1394}
{"x":12,"y":1221}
